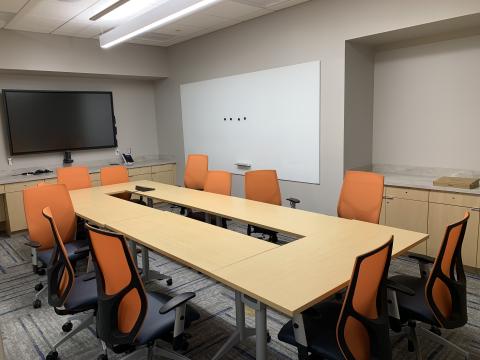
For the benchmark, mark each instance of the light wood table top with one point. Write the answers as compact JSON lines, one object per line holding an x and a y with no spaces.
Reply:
{"x":199,"y":245}
{"x":289,"y":278}
{"x":296,"y":276}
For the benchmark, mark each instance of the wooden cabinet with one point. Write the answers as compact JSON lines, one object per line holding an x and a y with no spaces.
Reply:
{"x":441,"y":215}
{"x":15,"y":213}
{"x":409,"y":215}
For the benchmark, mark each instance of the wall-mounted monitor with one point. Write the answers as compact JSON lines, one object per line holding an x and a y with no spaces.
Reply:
{"x":45,"y":121}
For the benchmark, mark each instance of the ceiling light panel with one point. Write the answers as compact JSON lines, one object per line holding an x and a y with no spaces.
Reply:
{"x":162,"y":15}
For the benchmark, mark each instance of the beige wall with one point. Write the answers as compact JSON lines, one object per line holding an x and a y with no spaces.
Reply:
{"x":134,"y":104}
{"x":427,"y":108}
{"x":25,"y":51}
{"x":316,"y":30}
{"x":358,"y":118}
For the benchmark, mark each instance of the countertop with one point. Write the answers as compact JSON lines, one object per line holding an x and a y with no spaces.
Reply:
{"x":14,"y":176}
{"x":422,"y":178}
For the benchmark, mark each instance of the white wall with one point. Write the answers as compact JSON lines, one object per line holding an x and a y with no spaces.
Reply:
{"x":134,"y":105}
{"x":426,"y":107}
{"x":316,"y":30}
{"x":26,"y":51}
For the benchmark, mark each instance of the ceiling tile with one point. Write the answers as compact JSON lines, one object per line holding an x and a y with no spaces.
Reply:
{"x":261,"y":3}
{"x":5,"y":18}
{"x":286,"y":4}
{"x":12,"y":6}
{"x":201,"y":20}
{"x":230,"y":9}
{"x":178,"y":29}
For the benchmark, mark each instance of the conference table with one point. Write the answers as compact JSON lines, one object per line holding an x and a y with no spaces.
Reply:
{"x":288,"y":278}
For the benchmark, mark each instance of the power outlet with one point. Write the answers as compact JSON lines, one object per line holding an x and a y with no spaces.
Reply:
{"x":117,"y":152}
{"x":10,"y":161}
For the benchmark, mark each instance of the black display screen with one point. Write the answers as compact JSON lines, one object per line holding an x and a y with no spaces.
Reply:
{"x":41,"y":121}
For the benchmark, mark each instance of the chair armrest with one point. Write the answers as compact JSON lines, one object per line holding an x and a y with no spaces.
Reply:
{"x":293,"y":202}
{"x":399,"y":287}
{"x":422,"y":258}
{"x":82,"y":250}
{"x":33,"y":244}
{"x":89,"y":277}
{"x":176,"y":302}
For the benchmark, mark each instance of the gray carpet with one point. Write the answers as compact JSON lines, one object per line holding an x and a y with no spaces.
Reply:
{"x":28,"y":333}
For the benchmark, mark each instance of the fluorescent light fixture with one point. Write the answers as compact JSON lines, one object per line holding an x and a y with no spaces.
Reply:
{"x":162,"y":15}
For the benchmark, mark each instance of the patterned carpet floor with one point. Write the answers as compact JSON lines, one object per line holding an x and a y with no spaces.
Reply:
{"x":28,"y":333}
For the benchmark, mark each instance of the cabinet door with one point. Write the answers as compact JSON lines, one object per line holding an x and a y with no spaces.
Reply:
{"x":409,"y":215}
{"x":140,"y":177}
{"x":382,"y":213}
{"x":164,"y":177}
{"x":441,"y":215}
{"x":15,"y":213}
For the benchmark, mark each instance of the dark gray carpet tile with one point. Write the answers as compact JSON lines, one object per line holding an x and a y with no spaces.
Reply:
{"x":28,"y":333}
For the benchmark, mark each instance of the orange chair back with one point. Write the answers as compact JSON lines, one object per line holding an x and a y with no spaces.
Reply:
{"x":363,"y":327}
{"x":55,"y":196}
{"x":60,"y":271}
{"x":122,"y":302}
{"x":113,"y":175}
{"x":219,"y":182}
{"x":361,"y":196}
{"x":196,"y":171}
{"x":446,"y":290}
{"x":76,"y":177}
{"x":262,"y":185}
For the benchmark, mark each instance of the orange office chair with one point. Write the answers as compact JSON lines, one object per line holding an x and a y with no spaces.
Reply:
{"x":218,"y":182}
{"x":116,"y":175}
{"x":75,"y":177}
{"x":41,"y":239}
{"x":196,"y":171}
{"x":439,"y":296}
{"x":128,"y":316}
{"x":361,"y":196}
{"x":67,"y":294}
{"x":358,"y":329}
{"x":262,"y":185}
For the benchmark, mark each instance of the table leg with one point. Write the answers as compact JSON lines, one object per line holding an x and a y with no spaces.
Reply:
{"x":133,"y":250}
{"x":242,"y":332}
{"x":150,"y":275}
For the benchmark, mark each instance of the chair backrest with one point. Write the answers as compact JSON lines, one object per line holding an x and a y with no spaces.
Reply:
{"x":113,"y":175}
{"x":75,"y":177}
{"x":219,"y":182}
{"x":55,"y":196}
{"x":446,"y":289}
{"x":262,"y":185}
{"x":122,"y":301}
{"x":196,"y":171}
{"x":60,"y":274}
{"x":361,"y":196}
{"x":363,"y":327}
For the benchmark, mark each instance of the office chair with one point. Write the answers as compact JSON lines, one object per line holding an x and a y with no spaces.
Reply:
{"x":262,"y":185}
{"x":128,"y":316}
{"x":115,"y":175}
{"x":68,"y":294}
{"x":218,"y":182}
{"x":361,"y":196}
{"x":41,"y":239}
{"x":74,"y":177}
{"x":358,"y":329}
{"x":196,"y":171}
{"x":439,"y":295}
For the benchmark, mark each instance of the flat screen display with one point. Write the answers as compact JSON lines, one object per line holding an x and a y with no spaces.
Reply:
{"x":42,"y":121}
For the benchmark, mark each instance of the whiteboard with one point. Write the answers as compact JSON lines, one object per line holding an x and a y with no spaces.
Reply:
{"x":269,"y":119}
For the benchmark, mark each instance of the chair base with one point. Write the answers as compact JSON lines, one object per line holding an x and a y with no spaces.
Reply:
{"x":162,"y":352}
{"x":414,"y":344}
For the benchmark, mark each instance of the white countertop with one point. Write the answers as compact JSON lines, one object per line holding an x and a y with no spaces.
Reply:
{"x":422,"y":178}
{"x":14,"y":176}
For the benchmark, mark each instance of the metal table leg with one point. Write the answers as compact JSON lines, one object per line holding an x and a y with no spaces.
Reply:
{"x":150,"y":275}
{"x":242,"y":332}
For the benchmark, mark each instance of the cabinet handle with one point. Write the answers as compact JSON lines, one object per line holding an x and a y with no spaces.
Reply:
{"x":388,"y":198}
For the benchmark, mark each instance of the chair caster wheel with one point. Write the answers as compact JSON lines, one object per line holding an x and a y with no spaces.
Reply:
{"x":169,"y":282}
{"x":38,"y":287}
{"x":37,"y":304}
{"x":41,"y":272}
{"x":102,"y":357}
{"x":52,"y":355}
{"x":411,"y":348}
{"x":67,"y":327}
